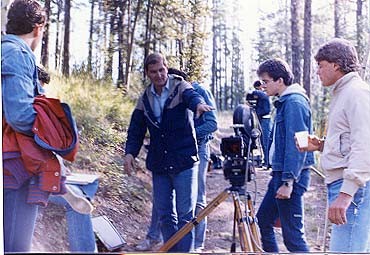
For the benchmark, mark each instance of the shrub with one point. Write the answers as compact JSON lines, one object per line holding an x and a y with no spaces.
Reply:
{"x":101,"y":111}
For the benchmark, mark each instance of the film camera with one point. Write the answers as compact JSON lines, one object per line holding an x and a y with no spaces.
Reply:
{"x":237,"y":149}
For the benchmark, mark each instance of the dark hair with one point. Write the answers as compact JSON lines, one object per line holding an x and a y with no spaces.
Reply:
{"x":43,"y":75}
{"x":23,"y":16}
{"x":257,"y":84}
{"x":340,"y":52}
{"x":154,"y":58}
{"x":178,"y":72}
{"x":276,"y":68}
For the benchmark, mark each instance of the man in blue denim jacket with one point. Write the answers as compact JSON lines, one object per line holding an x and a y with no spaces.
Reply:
{"x":20,"y":86}
{"x":204,"y":127}
{"x":290,"y":168}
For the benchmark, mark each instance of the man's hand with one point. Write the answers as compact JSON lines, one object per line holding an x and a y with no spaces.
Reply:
{"x":314,"y":144}
{"x":284,"y":191}
{"x":128,"y":164}
{"x":201,"y":108}
{"x":338,"y":209}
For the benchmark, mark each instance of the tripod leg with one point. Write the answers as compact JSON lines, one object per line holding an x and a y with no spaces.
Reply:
{"x":195,"y":221}
{"x":245,"y":239}
{"x":233,"y":245}
{"x":255,"y":232}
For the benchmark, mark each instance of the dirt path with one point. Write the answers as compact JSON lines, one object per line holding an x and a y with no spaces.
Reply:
{"x":126,"y":201}
{"x":220,"y":221}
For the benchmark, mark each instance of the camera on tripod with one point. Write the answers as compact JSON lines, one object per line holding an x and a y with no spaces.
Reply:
{"x":237,"y":149}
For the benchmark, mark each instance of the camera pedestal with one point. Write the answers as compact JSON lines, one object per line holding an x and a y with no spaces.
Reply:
{"x":247,"y":227}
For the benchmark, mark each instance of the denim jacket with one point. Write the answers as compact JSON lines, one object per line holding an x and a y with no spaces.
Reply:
{"x":293,"y":114}
{"x":19,"y":83}
{"x":206,"y":124}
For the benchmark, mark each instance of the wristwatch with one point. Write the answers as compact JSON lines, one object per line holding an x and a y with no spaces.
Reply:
{"x":321,"y":144}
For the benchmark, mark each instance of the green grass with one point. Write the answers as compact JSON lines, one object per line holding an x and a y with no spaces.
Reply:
{"x":102,"y":114}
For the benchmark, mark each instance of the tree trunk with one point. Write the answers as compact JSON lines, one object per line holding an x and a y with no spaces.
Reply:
{"x":131,"y":43}
{"x":91,"y":33}
{"x":148,"y":21}
{"x":103,"y":38}
{"x":296,"y":42}
{"x":121,"y":44}
{"x":214,"y":62}
{"x":307,"y":47}
{"x":287,"y":45}
{"x":226,"y":81}
{"x":217,"y":67}
{"x":112,"y":33}
{"x":337,"y":16}
{"x":360,"y":33}
{"x":57,"y":46}
{"x":67,"y":21}
{"x":45,"y":38}
{"x":365,"y":70}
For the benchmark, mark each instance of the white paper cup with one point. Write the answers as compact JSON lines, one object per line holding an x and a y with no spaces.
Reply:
{"x":302,"y":139}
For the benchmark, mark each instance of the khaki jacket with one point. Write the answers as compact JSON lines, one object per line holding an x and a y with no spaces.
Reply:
{"x":346,"y":151}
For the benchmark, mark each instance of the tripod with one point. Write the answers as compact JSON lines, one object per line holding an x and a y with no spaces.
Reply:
{"x":237,"y":149}
{"x":247,"y":226}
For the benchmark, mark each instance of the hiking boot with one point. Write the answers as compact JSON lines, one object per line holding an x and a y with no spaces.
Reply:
{"x":147,"y":244}
{"x":78,"y":203}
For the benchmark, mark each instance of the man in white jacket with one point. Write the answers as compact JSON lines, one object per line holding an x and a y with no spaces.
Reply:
{"x":346,"y":150}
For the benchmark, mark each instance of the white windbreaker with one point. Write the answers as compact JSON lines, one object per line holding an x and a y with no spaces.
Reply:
{"x":346,"y":151}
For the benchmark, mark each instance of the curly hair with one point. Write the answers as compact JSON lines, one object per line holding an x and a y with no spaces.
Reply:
{"x":23,"y":16}
{"x":341,"y":52}
{"x":276,"y":68}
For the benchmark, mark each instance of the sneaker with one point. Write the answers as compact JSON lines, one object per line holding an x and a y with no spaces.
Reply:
{"x":78,"y":203}
{"x":147,"y":245}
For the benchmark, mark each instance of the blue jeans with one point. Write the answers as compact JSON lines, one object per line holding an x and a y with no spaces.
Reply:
{"x":200,"y":229}
{"x":355,"y":235}
{"x":19,"y":220}
{"x":266,"y":126}
{"x":291,"y":214}
{"x":175,"y":197}
{"x":154,"y":232}
{"x":79,"y":226}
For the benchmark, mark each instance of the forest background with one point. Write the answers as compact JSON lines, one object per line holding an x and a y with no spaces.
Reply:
{"x":95,"y":51}
{"x":217,"y":42}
